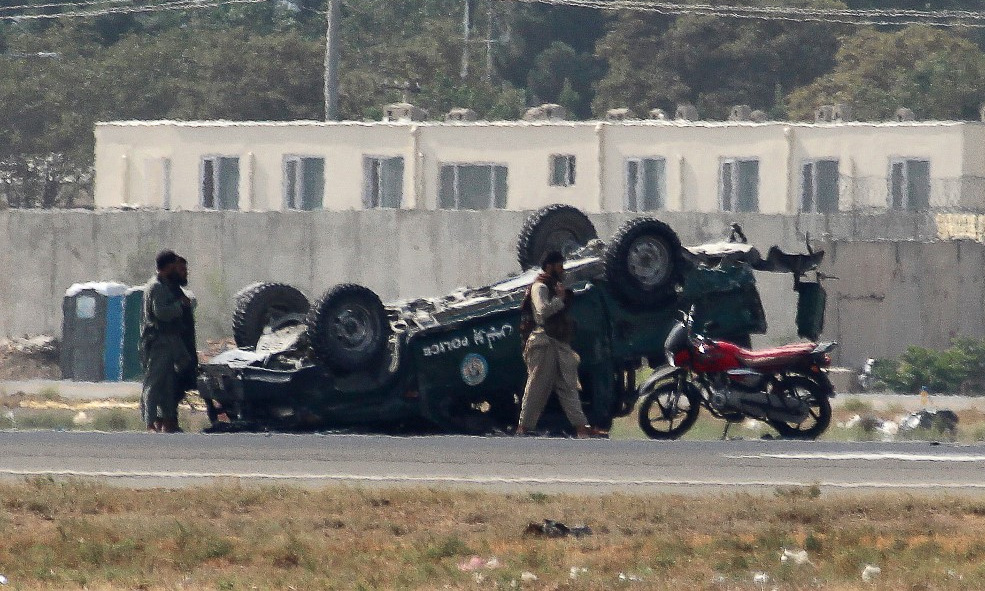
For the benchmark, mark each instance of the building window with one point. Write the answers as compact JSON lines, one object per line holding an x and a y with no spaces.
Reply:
{"x":473,"y":186}
{"x":304,"y":182}
{"x":220,"y":182}
{"x":909,"y":184}
{"x":562,"y":170}
{"x":819,"y":186}
{"x":383,"y":182}
{"x":739,"y":185}
{"x":646,"y":184}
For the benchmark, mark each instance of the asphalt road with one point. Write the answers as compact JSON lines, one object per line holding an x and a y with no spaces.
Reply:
{"x":585,"y":466}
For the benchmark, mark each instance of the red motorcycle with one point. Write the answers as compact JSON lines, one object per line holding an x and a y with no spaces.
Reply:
{"x":787,"y":387}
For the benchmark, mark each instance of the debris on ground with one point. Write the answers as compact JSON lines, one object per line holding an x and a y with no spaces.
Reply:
{"x":937,"y":419}
{"x":576,"y":571}
{"x":528,"y":577}
{"x":476,"y":563}
{"x":795,"y":556}
{"x":556,"y":529}
{"x":870,"y":573}
{"x":30,"y":358}
{"x":760,"y":578}
{"x":630,"y":578}
{"x":81,"y":418}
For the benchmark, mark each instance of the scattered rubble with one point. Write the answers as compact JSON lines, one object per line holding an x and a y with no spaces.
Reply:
{"x":944,"y":420}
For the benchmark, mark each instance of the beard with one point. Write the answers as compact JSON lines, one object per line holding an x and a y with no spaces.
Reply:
{"x":182,"y":281}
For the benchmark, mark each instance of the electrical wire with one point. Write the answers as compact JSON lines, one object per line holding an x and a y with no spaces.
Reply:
{"x":95,"y":4}
{"x":160,"y":7}
{"x":893,"y":17}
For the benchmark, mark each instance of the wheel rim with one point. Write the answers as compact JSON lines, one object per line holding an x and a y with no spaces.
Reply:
{"x":669,"y":410}
{"x":648,"y":261}
{"x":353,"y":328}
{"x":564,"y":241}
{"x":805,"y":396}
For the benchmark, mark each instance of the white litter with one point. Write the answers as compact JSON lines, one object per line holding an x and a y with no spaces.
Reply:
{"x":870,"y":573}
{"x":630,"y":578}
{"x":796,"y":556}
{"x":81,"y":419}
{"x":3,"y":580}
{"x":760,"y":578}
{"x":575,"y":571}
{"x":528,"y":577}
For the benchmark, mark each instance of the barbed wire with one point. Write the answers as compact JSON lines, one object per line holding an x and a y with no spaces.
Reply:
{"x":873,"y":17}
{"x":160,"y":7}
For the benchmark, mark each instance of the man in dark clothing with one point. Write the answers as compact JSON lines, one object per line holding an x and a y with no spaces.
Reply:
{"x":164,"y":335}
{"x":552,"y":365}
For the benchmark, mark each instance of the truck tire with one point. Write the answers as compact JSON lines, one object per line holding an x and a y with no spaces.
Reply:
{"x":348,"y":328}
{"x":644,"y":261}
{"x":260,"y":305}
{"x":555,"y":227}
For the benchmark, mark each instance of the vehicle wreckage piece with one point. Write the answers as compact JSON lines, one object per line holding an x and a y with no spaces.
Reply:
{"x":454,"y":363}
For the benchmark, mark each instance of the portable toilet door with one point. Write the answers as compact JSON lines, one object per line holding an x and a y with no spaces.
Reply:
{"x":133,"y":317}
{"x":92,"y":332}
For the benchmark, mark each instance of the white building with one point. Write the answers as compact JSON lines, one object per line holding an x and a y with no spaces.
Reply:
{"x":632,"y":165}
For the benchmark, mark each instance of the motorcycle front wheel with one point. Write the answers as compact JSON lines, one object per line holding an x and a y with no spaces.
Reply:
{"x":667,"y":412}
{"x":818,"y":417}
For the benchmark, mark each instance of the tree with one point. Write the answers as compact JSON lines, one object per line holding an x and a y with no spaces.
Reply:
{"x":935,"y":72}
{"x":715,"y":63}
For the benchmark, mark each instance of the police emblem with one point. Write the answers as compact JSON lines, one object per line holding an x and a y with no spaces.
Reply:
{"x":475,"y":368}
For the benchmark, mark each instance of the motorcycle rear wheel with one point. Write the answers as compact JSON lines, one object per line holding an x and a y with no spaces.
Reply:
{"x":667,"y":413}
{"x":819,"y":410}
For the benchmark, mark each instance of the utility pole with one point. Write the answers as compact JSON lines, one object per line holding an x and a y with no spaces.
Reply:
{"x":489,"y":43}
{"x":466,"y":26}
{"x":332,"y":60}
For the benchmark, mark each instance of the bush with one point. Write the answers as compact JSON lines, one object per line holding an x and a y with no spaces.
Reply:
{"x":940,"y":371}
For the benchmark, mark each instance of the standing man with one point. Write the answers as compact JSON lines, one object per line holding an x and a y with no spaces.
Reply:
{"x":552,"y":365}
{"x":164,"y":351}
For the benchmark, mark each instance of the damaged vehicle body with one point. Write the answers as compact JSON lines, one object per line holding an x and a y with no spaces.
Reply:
{"x":454,"y":363}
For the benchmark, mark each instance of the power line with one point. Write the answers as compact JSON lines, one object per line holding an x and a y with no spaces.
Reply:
{"x":894,"y":17}
{"x":160,"y":7}
{"x":96,"y":3}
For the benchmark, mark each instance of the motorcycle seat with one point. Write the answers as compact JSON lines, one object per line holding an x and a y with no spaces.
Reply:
{"x":768,"y":357}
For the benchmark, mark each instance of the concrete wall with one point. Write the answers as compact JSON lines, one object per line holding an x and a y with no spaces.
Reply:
{"x":159,"y":164}
{"x":890,"y":294}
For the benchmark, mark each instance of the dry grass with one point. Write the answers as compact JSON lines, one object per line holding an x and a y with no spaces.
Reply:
{"x":78,"y":535}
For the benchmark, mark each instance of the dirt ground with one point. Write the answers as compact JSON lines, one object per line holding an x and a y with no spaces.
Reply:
{"x":30,"y":358}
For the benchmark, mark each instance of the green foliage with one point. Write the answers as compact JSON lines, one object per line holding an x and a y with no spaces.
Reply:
{"x":265,"y":61}
{"x":941,"y":371}
{"x":935,"y":72}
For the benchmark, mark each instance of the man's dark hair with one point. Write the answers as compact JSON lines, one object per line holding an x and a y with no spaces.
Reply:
{"x":551,"y":258}
{"x":165,"y":258}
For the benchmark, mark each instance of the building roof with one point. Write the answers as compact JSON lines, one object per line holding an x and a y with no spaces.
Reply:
{"x":555,"y":123}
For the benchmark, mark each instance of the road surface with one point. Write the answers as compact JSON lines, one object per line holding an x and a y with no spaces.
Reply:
{"x":495,"y":463}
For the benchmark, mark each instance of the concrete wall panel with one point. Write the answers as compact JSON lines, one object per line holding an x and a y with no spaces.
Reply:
{"x":889,"y":294}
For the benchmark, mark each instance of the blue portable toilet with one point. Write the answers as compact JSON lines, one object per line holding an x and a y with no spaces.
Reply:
{"x":93,"y":316}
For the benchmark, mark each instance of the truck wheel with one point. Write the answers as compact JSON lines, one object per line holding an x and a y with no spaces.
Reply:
{"x":644,"y":261}
{"x":260,"y":305}
{"x":347,"y":327}
{"x":555,"y":227}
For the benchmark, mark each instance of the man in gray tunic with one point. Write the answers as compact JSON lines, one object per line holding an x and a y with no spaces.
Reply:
{"x":164,"y":351}
{"x":552,"y":365}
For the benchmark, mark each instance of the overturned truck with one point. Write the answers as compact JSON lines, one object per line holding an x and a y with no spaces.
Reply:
{"x":454,"y":363}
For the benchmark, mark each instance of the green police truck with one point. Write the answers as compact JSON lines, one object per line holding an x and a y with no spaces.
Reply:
{"x":454,"y":363}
